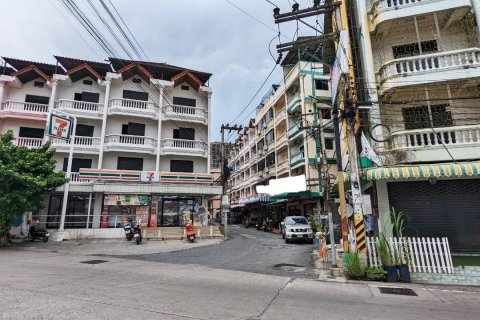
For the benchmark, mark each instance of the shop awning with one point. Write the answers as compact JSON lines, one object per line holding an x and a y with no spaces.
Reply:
{"x":240,"y":205}
{"x":278,"y":202}
{"x":452,"y":170}
{"x":301,"y":194}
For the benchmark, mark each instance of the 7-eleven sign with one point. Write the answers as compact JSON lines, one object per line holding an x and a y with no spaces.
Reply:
{"x":60,"y":127}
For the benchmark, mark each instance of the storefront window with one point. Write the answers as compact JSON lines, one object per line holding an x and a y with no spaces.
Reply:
{"x":76,"y":213}
{"x":118,"y":208}
{"x":176,"y":211}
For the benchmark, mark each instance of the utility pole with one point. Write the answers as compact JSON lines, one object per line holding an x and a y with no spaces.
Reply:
{"x":350,"y":112}
{"x":224,"y":205}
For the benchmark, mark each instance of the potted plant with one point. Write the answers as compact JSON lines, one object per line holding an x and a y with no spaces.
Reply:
{"x":375,"y":274}
{"x":354,"y":269}
{"x":385,"y":255}
{"x":402,"y":253}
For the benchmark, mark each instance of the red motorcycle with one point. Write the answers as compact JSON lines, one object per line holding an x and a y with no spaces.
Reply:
{"x":190,"y":232}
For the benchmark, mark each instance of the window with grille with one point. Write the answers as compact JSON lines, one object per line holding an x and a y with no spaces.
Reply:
{"x":426,"y":117}
{"x":270,"y":159}
{"x":329,"y":143}
{"x":321,"y":85}
{"x":269,"y":137}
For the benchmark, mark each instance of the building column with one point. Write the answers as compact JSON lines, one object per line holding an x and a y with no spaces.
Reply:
{"x":97,"y":211}
{"x":108,"y":83}
{"x":369,"y":69}
{"x":476,"y":9}
{"x":159,"y":132}
{"x":384,"y":222}
{"x":209,"y":119}
{"x":3,"y":85}
{"x":51,"y":105}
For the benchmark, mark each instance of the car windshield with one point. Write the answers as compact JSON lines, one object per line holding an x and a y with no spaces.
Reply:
{"x":295,"y":220}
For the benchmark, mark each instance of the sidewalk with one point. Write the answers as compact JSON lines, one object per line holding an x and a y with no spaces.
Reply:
{"x":117,"y":247}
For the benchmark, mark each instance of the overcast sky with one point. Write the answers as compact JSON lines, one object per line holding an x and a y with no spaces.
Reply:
{"x":205,"y":35}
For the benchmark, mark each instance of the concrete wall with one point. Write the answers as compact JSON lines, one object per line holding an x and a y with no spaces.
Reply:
{"x":67,"y":91}
{"x":15,"y":94}
{"x":110,"y":159}
{"x":199,"y":164}
{"x":15,"y":124}
{"x":114,"y":125}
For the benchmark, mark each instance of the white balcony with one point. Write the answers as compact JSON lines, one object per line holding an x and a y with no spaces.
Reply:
{"x":442,"y":66}
{"x":424,"y":145}
{"x":184,"y":113}
{"x":280,"y":116}
{"x":20,"y":109}
{"x":29,"y":143}
{"x":385,"y":10}
{"x":128,"y":143}
{"x":75,"y":179}
{"x":184,"y":147}
{"x":80,"y":145}
{"x":134,"y":108}
{"x":81,"y":108}
{"x":282,"y":141}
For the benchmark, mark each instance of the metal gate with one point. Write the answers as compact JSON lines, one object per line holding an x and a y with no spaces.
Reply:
{"x":441,"y":209}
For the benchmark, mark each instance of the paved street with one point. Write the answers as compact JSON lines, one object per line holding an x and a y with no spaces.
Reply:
{"x":234,"y":280}
{"x":248,"y":250}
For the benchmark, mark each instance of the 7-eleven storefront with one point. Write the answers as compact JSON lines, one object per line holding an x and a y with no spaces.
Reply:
{"x":105,"y":199}
{"x":440,"y":200}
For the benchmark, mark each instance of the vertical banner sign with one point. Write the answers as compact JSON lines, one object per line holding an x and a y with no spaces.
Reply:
{"x":60,"y":127}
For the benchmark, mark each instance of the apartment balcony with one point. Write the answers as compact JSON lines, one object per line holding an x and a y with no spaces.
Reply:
{"x":426,"y":145}
{"x":280,"y":116}
{"x":81,"y":108}
{"x":294,"y":132}
{"x":184,"y":113}
{"x":88,"y":145}
{"x":133,"y":108}
{"x":129,"y":143}
{"x":297,"y":160}
{"x":75,"y":179}
{"x":184,"y":147}
{"x":30,"y":143}
{"x":294,"y":103}
{"x":430,"y":68}
{"x":282,"y":167}
{"x":282,"y":141}
{"x":24,"y":110}
{"x":386,"y":10}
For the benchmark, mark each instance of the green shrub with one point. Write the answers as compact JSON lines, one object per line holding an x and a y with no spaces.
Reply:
{"x":354,"y":270}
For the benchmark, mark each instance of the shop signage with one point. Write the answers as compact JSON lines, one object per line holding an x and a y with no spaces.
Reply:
{"x":125,"y":200}
{"x":150,"y":176}
{"x":60,"y":127}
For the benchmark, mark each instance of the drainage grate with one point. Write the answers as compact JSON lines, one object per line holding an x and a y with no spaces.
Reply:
{"x":398,"y":291}
{"x":93,"y":261}
{"x":287,"y":267}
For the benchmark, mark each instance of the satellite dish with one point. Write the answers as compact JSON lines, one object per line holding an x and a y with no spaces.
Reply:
{"x":349,"y":210}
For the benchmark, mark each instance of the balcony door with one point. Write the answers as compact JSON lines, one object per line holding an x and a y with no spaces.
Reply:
{"x":87,"y":97}
{"x":133,"y":129}
{"x":77,"y":164}
{"x":135,"y":95}
{"x":26,"y":132}
{"x":83,"y":130}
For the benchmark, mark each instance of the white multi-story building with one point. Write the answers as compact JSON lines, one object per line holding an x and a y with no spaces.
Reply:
{"x":132,"y":117}
{"x":421,"y":62}
{"x":291,"y":135}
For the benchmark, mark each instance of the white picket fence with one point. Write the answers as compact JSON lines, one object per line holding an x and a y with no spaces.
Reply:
{"x":430,"y":255}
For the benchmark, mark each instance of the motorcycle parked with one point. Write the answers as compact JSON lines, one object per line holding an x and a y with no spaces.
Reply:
{"x":190,"y":232}
{"x":128,"y":230}
{"x":36,"y":232}
{"x":133,"y":231}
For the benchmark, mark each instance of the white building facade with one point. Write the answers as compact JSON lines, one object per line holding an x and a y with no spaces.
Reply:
{"x":142,"y":138}
{"x":421,"y":62}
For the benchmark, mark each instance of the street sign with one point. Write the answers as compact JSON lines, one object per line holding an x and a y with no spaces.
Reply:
{"x":60,"y":127}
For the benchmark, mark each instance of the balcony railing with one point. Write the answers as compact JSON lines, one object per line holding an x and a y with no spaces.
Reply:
{"x":293,"y":131}
{"x":297,"y":158}
{"x":91,"y":144}
{"x":25,"y":107}
{"x":29,"y":143}
{"x":437,"y":137}
{"x":282,"y":140}
{"x":282,"y":167}
{"x":280,"y":116}
{"x":132,"y":107}
{"x":125,"y":142}
{"x":181,"y":146}
{"x":80,"y":107}
{"x":425,"y":64}
{"x":294,"y":101}
{"x":75,"y":178}
{"x":185,"y":113}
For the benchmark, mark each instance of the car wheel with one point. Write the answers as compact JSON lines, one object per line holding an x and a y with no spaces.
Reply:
{"x":45,"y":239}
{"x":287,"y":241}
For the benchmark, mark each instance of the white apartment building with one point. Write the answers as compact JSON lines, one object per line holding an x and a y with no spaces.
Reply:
{"x":291,"y":134}
{"x":132,"y":117}
{"x":421,"y":62}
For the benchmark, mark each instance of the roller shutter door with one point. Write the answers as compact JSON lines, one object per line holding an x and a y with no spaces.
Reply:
{"x":446,"y":208}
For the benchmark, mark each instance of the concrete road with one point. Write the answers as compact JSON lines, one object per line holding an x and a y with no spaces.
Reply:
{"x":58,"y":285}
{"x":248,"y":250}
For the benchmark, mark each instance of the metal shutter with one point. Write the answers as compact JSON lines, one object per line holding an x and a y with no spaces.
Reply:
{"x":446,"y":208}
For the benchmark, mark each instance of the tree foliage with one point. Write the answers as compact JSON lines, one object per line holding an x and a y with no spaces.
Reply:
{"x":25,"y":175}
